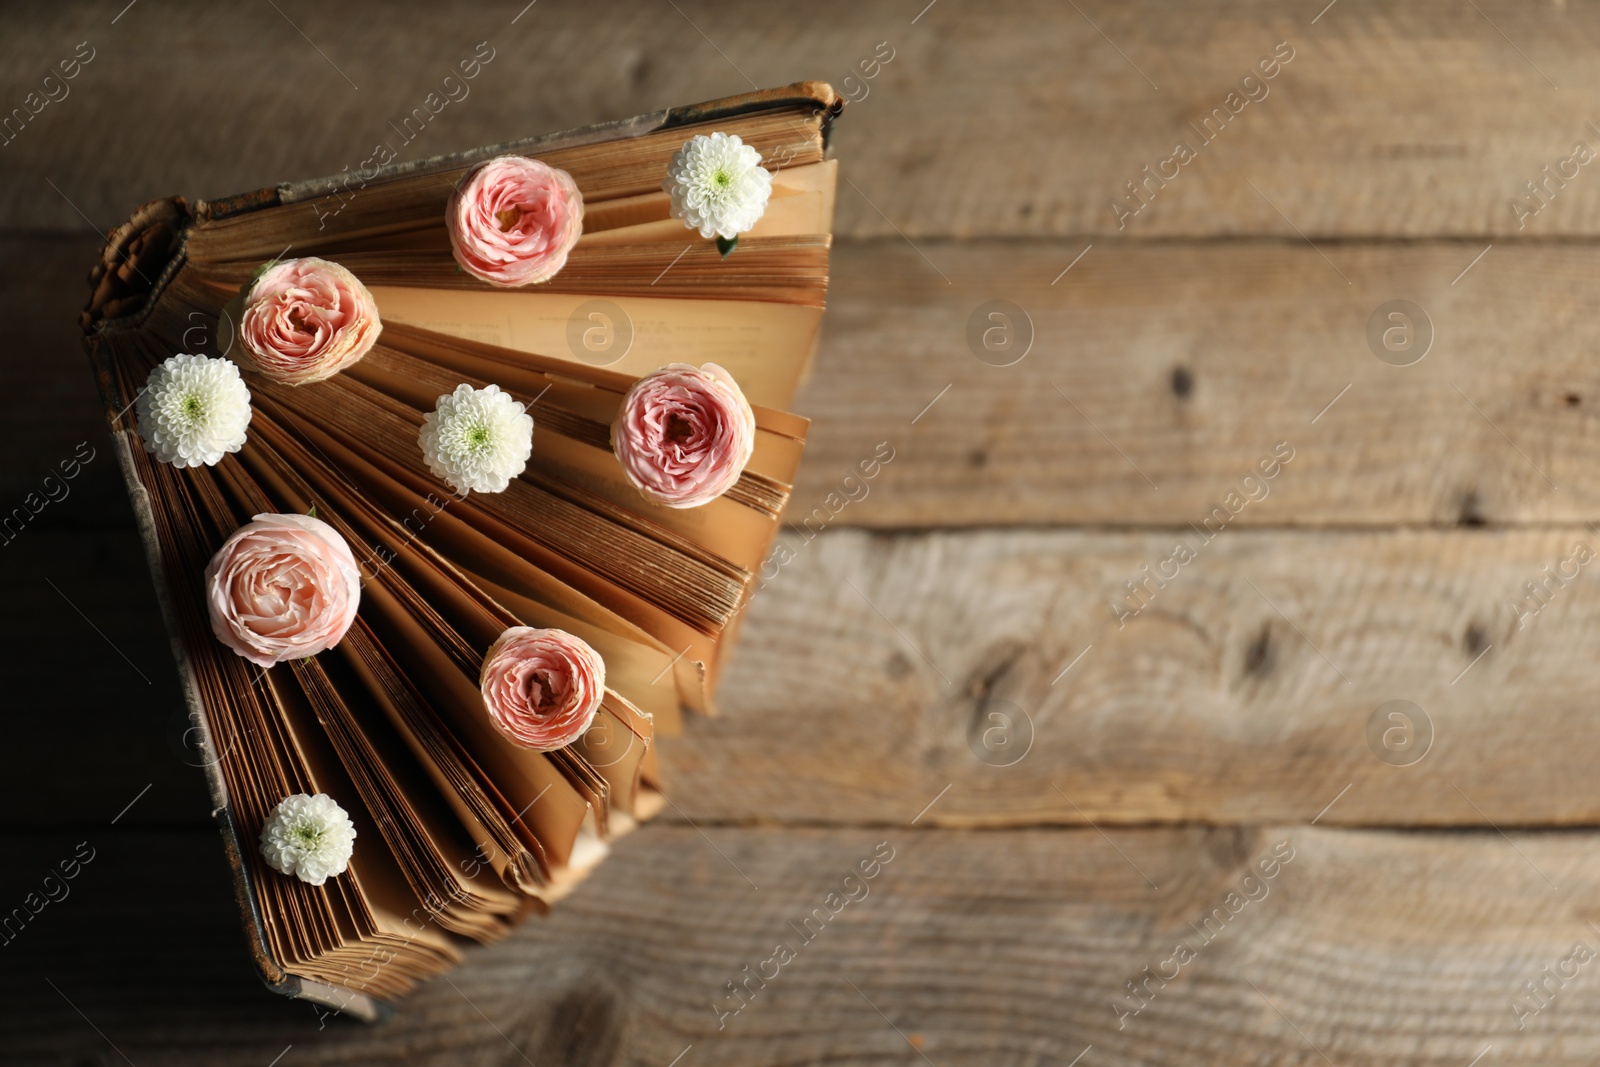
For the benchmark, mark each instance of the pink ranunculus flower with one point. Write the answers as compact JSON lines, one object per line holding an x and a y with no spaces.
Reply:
{"x":542,"y":687}
{"x":283,"y":587}
{"x":684,"y":434}
{"x":513,"y":221}
{"x":306,"y":320}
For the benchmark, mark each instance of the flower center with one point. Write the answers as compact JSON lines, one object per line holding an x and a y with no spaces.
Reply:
{"x":193,"y":408}
{"x":508,"y":218}
{"x":307,"y":836}
{"x":547,"y":696}
{"x":297,"y":319}
{"x":477,"y":438}
{"x":679,"y":429}
{"x":722,"y":178}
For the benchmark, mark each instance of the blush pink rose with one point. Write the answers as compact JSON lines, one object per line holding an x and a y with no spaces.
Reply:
{"x":306,"y":320}
{"x":514,"y":220}
{"x":684,"y":434}
{"x":283,"y":587}
{"x":542,"y":687}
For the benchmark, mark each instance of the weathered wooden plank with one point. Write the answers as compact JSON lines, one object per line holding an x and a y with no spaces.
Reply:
{"x":1187,"y":365}
{"x":1421,"y":121}
{"x":1207,"y":705}
{"x":93,"y":708}
{"x":872,"y":670}
{"x":1007,"y":948}
{"x":1161,"y":375}
{"x":50,"y":412}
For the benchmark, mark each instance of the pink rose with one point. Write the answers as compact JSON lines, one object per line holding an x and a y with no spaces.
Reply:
{"x":514,"y":221}
{"x":542,"y":687}
{"x":306,"y":320}
{"x":282,"y":588}
{"x":684,"y":434}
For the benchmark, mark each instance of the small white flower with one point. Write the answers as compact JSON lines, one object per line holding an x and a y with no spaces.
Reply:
{"x":309,"y":837}
{"x":194,"y":410}
{"x":477,"y":439}
{"x":718,"y":185}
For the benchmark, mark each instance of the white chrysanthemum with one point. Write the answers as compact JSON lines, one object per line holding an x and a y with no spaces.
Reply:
{"x":477,"y":439}
{"x":718,"y":185}
{"x":309,"y":837}
{"x":194,"y":410}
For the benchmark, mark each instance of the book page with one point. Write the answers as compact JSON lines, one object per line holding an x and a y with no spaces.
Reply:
{"x":801,"y":202}
{"x":764,"y":346}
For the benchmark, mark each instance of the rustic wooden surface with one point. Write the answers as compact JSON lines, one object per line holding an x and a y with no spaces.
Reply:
{"x":1012,"y":118}
{"x":1008,"y":948}
{"x":1123,"y":794}
{"x":1161,"y":372}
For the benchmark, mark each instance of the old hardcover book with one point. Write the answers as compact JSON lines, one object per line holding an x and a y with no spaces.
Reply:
{"x":459,"y":833}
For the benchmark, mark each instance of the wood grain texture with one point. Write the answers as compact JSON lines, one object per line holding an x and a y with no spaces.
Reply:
{"x":1375,"y":949}
{"x":1009,"y":118}
{"x":1161,"y":373}
{"x":872,"y":668}
{"x":96,"y":711}
{"x":48,"y":402}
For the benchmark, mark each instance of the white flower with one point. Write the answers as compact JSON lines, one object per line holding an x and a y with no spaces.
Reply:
{"x":718,"y":185}
{"x":477,"y":439}
{"x":194,"y":410}
{"x":308,"y":837}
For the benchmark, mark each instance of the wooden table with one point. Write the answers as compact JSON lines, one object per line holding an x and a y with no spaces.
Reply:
{"x":1081,"y":749}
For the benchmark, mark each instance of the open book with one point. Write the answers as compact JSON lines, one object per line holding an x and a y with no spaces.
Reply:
{"x":459,"y":832}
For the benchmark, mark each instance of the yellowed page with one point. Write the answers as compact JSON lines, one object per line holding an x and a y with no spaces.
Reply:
{"x":802,"y":202}
{"x":764,"y":346}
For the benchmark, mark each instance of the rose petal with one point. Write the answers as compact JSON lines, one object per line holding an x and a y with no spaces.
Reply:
{"x":514,"y":221}
{"x":684,"y":434}
{"x":282,"y":587}
{"x":307,"y":319}
{"x":542,"y":687}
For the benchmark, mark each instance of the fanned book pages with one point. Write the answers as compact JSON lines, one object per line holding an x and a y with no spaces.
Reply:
{"x":464,"y":817}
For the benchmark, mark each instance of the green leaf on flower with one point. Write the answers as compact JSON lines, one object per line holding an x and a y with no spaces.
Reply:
{"x":726,"y":245}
